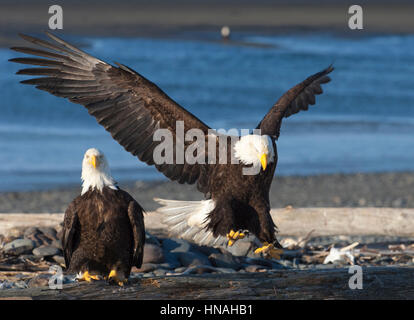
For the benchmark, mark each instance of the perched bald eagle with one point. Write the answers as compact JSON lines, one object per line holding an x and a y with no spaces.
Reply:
{"x":132,"y":109}
{"x":103,"y":230}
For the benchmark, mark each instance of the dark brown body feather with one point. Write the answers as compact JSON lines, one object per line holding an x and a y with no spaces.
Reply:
{"x":103,"y":231}
{"x":132,"y":108}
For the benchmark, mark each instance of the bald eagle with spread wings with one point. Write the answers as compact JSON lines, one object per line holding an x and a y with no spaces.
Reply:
{"x":132,"y":109}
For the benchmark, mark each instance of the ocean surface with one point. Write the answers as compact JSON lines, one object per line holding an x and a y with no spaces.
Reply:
{"x":364,"y":121}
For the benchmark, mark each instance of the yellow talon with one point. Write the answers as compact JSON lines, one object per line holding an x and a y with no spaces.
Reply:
{"x":119,"y":279}
{"x":265,"y":246}
{"x":86,"y":276}
{"x":112,"y":274}
{"x":121,"y":283}
{"x":233,"y":236}
{"x":269,"y":249}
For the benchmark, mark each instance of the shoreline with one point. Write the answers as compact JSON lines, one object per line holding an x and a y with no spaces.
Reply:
{"x":392,"y":189}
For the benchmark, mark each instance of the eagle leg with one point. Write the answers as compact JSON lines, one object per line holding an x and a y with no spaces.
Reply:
{"x":233,"y":236}
{"x":269,"y":250}
{"x":117,"y":277}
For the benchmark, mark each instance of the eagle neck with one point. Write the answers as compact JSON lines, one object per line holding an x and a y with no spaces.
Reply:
{"x":94,"y":180}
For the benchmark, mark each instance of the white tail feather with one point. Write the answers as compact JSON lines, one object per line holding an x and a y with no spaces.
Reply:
{"x":188,"y":220}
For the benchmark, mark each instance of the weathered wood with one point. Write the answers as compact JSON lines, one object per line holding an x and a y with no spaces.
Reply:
{"x":293,"y":222}
{"x":378,"y":283}
{"x":345,"y":221}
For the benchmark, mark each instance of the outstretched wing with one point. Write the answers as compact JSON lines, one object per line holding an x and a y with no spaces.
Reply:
{"x":135,"y":214}
{"x":70,"y":232}
{"x":129,"y":106}
{"x":296,"y":99}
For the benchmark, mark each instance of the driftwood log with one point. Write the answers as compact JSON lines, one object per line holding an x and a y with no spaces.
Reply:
{"x":290,"y":221}
{"x":378,"y":283}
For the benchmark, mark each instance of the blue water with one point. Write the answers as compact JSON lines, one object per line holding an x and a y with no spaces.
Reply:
{"x":364,"y":122}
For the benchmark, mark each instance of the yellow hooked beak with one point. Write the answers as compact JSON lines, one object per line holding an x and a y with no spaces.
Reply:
{"x":94,"y":161}
{"x":263,"y":161}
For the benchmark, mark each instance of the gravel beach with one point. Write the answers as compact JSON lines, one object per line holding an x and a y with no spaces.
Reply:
{"x":26,"y":255}
{"x":29,"y":257}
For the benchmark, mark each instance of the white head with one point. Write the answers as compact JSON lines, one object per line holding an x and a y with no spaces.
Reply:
{"x":95,"y":171}
{"x":255,"y":149}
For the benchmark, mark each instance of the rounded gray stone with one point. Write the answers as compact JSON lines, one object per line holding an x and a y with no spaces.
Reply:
{"x":147,"y":267}
{"x":46,"y":251}
{"x":49,"y":232}
{"x":255,"y":268}
{"x":201,"y":269}
{"x":180,"y":269}
{"x":31,"y":231}
{"x":225,"y":270}
{"x":160,"y":272}
{"x":189,"y":259}
{"x":19,"y":246}
{"x":28,"y":256}
{"x":148,"y":275}
{"x":56,"y":244}
{"x":153,"y":254}
{"x":41,"y":280}
{"x":240,"y":248}
{"x":224,"y":261}
{"x":59,"y":259}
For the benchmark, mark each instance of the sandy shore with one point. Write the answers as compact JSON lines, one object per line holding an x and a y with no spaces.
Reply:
{"x":356,"y":190}
{"x":189,"y":18}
